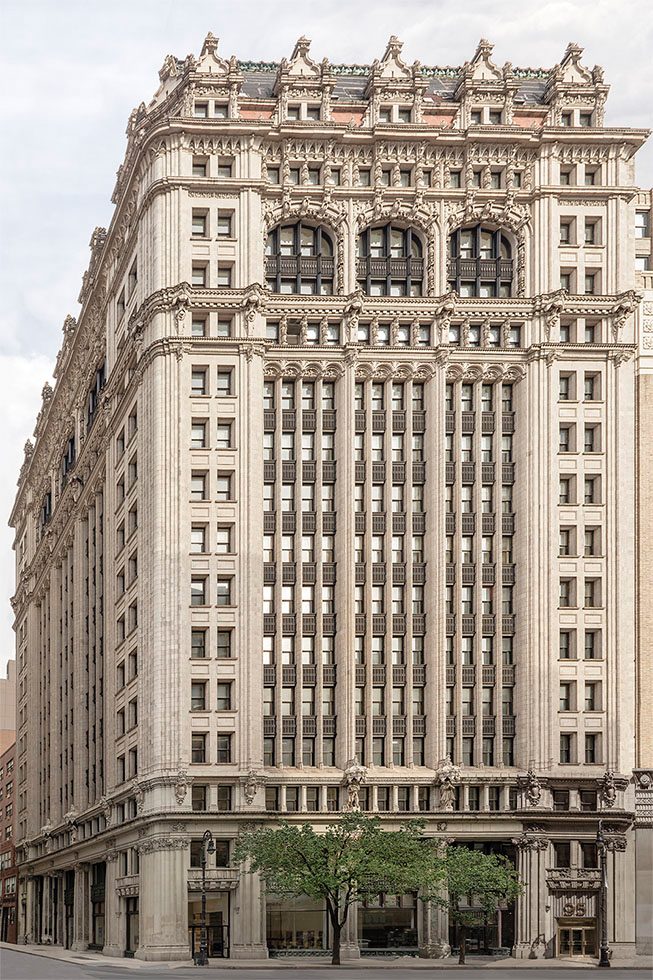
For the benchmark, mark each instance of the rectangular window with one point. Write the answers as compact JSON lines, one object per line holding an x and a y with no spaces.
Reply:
{"x":591,"y":647}
{"x":198,"y":591}
{"x":224,"y":597}
{"x":224,"y":645}
{"x":561,"y":798}
{"x":200,"y":275}
{"x":223,"y":439}
{"x":198,"y":486}
{"x":199,"y":224}
{"x":198,"y":696}
{"x":566,"y":748}
{"x":225,"y":224}
{"x":224,"y":799}
{"x":198,"y":649}
{"x":198,"y":747}
{"x":223,"y":487}
{"x":591,"y":748}
{"x":224,"y":383}
{"x":223,"y":539}
{"x":198,"y":539}
{"x":224,"y":749}
{"x":224,"y":696}
{"x":198,"y":438}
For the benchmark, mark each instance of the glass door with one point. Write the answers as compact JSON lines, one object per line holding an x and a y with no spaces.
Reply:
{"x":577,"y":941}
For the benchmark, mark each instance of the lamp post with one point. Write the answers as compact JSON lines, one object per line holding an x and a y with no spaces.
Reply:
{"x":604,"y":959}
{"x":208,"y":847}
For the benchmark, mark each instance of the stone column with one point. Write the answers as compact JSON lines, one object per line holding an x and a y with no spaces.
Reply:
{"x":46,"y":914}
{"x":349,"y":948}
{"x":434,"y":931}
{"x":114,"y":942}
{"x":530,"y":938}
{"x":163,"y":900}
{"x":27,"y":913}
{"x":81,"y":902}
{"x":643,"y":862}
{"x":247,"y":925}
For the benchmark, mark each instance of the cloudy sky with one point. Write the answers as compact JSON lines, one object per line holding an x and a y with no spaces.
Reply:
{"x":74,"y":69}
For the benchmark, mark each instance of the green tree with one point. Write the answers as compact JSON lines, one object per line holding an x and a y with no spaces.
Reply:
{"x":352,"y":859}
{"x":488,"y":878}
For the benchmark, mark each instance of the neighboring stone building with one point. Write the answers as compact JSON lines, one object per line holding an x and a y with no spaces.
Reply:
{"x":340,"y":466}
{"x":8,"y":869}
{"x":8,"y":707}
{"x":644,"y":553}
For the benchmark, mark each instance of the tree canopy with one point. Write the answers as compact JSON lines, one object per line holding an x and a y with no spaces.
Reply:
{"x":350,"y":860}
{"x":354,"y":858}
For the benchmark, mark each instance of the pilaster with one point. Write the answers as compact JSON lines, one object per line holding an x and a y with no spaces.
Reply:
{"x":81,"y":903}
{"x":114,"y":943}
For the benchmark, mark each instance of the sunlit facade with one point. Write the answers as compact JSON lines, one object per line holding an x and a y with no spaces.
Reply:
{"x":339,"y":470}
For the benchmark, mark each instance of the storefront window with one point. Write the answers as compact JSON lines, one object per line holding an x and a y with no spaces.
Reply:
{"x":298,"y":923}
{"x":388,"y":922}
{"x":217,"y":921}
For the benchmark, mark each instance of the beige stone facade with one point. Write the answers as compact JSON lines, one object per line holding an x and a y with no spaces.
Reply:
{"x":341,"y":465}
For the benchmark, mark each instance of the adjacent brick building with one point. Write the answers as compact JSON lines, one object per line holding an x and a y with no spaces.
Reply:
{"x":8,"y":869}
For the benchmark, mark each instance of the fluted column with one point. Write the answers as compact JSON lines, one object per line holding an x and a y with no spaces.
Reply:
{"x":434,"y":931}
{"x":114,"y":942}
{"x":349,"y":948}
{"x":247,"y":926}
{"x":163,"y":900}
{"x":81,"y":901}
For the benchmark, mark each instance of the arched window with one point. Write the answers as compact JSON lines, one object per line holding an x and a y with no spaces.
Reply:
{"x":390,"y":262}
{"x":480,"y":262}
{"x":299,"y":259}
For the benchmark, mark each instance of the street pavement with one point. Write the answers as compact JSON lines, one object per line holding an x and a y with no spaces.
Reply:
{"x":16,"y":964}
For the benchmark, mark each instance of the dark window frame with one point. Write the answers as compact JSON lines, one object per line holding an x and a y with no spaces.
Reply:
{"x":502,"y":269}
{"x":317,"y":268}
{"x":388,"y":268}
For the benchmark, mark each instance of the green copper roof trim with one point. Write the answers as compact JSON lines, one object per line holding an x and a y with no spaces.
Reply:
{"x":429,"y":71}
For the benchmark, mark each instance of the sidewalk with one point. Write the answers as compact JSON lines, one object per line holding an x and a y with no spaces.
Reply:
{"x":304,"y":963}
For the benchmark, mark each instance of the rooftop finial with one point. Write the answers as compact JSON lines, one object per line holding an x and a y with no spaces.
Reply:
{"x":210,"y":44}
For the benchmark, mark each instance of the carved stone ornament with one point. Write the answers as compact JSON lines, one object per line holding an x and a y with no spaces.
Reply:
{"x":533,"y":788}
{"x":139,"y":796}
{"x":447,"y":777}
{"x":528,"y":842}
{"x":151,"y":844}
{"x":107,"y":810}
{"x":182,"y":782}
{"x":70,"y":819}
{"x":608,"y":789}
{"x":251,"y":784}
{"x":354,"y":777}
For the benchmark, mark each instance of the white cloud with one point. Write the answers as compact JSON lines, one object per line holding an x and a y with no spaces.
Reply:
{"x":78,"y":68}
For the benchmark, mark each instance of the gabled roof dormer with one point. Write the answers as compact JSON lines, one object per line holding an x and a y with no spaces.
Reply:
{"x":392,"y":81}
{"x":571,"y":86}
{"x":482,"y":84}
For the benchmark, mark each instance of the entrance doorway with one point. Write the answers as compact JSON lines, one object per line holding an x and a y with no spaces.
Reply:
{"x":217,"y":938}
{"x":217,"y":924}
{"x":132,"y":935}
{"x":577,"y":939}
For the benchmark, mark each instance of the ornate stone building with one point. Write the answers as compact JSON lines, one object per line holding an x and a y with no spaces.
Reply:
{"x":332,"y":505}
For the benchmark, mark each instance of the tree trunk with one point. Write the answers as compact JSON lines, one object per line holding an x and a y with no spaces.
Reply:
{"x":463,"y":941}
{"x":335,"y":959}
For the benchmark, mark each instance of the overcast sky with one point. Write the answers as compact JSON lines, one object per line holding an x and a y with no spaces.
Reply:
{"x":74,"y":69}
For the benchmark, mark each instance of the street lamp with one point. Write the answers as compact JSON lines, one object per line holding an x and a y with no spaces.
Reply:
{"x":208,"y":847}
{"x":604,"y":959}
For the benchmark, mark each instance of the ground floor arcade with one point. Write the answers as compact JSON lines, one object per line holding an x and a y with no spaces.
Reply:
{"x":143,"y":899}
